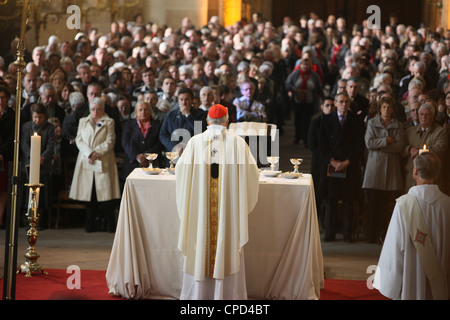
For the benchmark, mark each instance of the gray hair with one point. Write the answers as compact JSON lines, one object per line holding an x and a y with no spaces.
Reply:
{"x":265,"y":67}
{"x":39,"y":48}
{"x":76,"y":98}
{"x":430,"y":106}
{"x":221,"y":121}
{"x":415,"y":83}
{"x":185,"y":68}
{"x":204,"y":89}
{"x":83,"y":65}
{"x":428,"y":166}
{"x":98,"y":101}
{"x":242,"y":65}
{"x":46,"y":86}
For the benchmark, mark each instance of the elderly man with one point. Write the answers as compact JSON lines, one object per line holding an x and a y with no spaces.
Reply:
{"x":413,"y":120}
{"x":359,"y":104}
{"x":84,"y":76}
{"x":47,"y":96}
{"x":217,"y":184}
{"x":414,"y":262}
{"x":426,"y":133}
{"x":30,"y":94}
{"x":341,"y":142}
{"x":38,"y":56}
{"x":206,"y":98}
{"x":415,"y":89}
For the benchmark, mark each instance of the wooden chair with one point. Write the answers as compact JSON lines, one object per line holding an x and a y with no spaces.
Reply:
{"x":63,"y":200}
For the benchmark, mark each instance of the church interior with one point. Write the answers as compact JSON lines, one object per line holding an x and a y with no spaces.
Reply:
{"x":63,"y":242}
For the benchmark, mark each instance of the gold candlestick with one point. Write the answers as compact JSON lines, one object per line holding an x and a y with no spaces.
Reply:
{"x":31,"y":256}
{"x":9,"y":284}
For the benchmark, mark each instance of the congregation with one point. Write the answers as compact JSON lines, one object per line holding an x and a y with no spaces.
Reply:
{"x":141,"y":81}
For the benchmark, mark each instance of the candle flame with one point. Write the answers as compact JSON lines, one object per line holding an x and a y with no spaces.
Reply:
{"x":424,"y":146}
{"x":35,"y":134}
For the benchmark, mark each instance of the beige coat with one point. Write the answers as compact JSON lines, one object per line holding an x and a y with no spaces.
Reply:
{"x":436,"y":139}
{"x":100,"y":139}
{"x":383,"y":170}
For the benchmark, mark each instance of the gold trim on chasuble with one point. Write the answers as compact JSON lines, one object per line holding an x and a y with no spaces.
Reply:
{"x":213,"y":216}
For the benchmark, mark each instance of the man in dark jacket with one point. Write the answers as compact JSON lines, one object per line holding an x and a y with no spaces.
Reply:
{"x":327,"y":107}
{"x":181,"y":124}
{"x":358,"y":103}
{"x":342,"y":146}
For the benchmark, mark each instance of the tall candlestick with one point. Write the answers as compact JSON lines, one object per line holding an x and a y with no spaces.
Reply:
{"x":35,"y":159}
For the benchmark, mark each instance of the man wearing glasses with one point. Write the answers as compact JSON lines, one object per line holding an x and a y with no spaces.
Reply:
{"x":342,"y":146}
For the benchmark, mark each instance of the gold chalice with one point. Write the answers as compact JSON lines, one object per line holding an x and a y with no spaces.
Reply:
{"x":273,"y":160}
{"x":296,"y":162}
{"x":151,"y":157}
{"x":171,"y":156}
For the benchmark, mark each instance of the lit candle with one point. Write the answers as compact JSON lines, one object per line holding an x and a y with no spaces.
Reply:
{"x":35,"y":159}
{"x":424,"y":149}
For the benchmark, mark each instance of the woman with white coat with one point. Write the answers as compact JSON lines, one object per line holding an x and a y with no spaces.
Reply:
{"x":95,"y":180}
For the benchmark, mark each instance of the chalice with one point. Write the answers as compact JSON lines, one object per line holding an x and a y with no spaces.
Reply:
{"x":171,"y":156}
{"x":151,"y":157}
{"x":273,"y":160}
{"x":296,"y":162}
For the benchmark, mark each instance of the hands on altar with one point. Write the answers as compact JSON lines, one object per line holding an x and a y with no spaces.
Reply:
{"x":143,"y":162}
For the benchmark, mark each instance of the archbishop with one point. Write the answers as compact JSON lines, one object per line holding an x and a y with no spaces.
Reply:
{"x":216,"y":188}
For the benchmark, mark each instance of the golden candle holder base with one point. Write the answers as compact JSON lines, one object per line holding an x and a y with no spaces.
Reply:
{"x":31,"y":256}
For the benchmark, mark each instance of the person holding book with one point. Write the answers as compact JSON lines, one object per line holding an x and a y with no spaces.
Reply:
{"x":342,"y":146}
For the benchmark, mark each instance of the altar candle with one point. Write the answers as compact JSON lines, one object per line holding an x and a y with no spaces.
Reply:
{"x":35,"y":159}
{"x":424,"y":149}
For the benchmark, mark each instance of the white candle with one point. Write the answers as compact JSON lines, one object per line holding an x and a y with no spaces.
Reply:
{"x":35,"y":159}
{"x":424,"y":149}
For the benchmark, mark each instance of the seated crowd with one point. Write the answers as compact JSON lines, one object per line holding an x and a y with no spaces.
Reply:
{"x":153,"y":79}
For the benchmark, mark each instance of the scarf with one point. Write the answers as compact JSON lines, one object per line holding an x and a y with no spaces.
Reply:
{"x":145,"y":127}
{"x":303,"y":85}
{"x":335,"y":53}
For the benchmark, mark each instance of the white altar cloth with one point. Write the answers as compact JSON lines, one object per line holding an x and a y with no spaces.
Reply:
{"x":283,"y":258}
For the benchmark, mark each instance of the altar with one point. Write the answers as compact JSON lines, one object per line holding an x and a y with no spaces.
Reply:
{"x":283,"y":258}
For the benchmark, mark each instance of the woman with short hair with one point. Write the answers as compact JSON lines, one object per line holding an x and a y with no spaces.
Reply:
{"x":96,"y":180}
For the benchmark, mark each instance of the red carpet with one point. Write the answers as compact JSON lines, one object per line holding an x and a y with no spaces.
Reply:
{"x":93,"y":287}
{"x":349,"y":290}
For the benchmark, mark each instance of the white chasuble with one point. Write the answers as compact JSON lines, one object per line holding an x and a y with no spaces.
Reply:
{"x":211,"y":236}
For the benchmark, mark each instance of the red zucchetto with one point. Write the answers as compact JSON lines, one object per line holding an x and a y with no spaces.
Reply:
{"x":217,"y":111}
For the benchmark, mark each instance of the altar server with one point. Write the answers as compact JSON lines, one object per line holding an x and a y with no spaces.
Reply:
{"x":216,"y":188}
{"x":415,"y":259}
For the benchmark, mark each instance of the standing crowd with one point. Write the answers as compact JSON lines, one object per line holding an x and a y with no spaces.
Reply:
{"x":102,"y":101}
